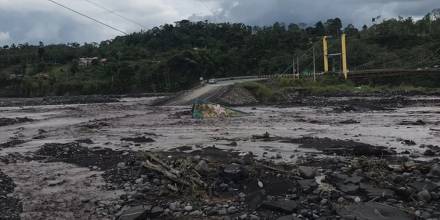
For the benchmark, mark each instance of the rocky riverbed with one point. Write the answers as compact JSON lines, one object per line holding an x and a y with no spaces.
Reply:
{"x":130,"y":160}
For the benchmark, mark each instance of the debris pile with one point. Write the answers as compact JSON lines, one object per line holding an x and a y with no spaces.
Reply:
{"x":201,"y":111}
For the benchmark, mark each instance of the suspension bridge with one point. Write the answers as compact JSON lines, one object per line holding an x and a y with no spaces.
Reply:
{"x":358,"y":73}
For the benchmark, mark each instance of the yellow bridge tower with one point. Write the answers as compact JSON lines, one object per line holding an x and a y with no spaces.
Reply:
{"x":343,"y":54}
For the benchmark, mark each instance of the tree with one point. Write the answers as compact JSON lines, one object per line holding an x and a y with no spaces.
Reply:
{"x":41,"y":51}
{"x":319,"y":29}
{"x":334,"y":26}
{"x":435,"y":14}
{"x":351,"y":30}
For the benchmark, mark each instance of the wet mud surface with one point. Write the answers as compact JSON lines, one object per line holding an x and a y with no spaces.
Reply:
{"x":11,"y":121}
{"x":58,"y":100}
{"x":131,"y":160}
{"x":10,"y":206}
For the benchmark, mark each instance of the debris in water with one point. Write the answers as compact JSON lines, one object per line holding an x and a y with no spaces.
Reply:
{"x":201,"y":111}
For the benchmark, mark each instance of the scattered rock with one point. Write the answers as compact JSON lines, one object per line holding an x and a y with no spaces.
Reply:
{"x":233,"y":144}
{"x":232,"y":170}
{"x":232,"y":210}
{"x":222,"y":211}
{"x":307,"y":172}
{"x":408,"y":142}
{"x":307,"y":184}
{"x":429,"y":153}
{"x":373,"y":191}
{"x":349,"y":188}
{"x":174,"y":206}
{"x":139,"y":139}
{"x":254,"y":217}
{"x":265,"y":137}
{"x":196,"y":213}
{"x":287,"y":206}
{"x":418,"y":122}
{"x":435,"y":170}
{"x":121,"y":165}
{"x":373,"y":211}
{"x":202,"y":166}
{"x":288,"y":217}
{"x":56,"y":182}
{"x":424,"y":196}
{"x":74,"y":153}
{"x":243,"y":217}
{"x":155,"y":211}
{"x":349,"y":121}
{"x":85,"y":141}
{"x":135,"y":213}
{"x":354,"y":179}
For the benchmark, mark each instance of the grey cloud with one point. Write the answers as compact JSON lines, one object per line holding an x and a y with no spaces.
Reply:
{"x":51,"y":27}
{"x":38,"y":20}
{"x":358,"y":12}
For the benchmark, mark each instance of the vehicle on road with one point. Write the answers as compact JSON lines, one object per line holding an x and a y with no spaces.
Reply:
{"x":212,"y":81}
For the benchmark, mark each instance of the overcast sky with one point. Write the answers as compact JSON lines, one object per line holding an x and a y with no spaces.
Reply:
{"x":40,"y":20}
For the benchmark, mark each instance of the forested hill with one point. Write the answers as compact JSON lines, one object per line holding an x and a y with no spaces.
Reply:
{"x":174,"y":57}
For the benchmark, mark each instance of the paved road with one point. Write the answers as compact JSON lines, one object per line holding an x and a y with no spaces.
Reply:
{"x":205,"y":92}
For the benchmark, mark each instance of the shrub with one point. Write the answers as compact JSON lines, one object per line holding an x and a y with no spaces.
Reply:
{"x":259,"y":90}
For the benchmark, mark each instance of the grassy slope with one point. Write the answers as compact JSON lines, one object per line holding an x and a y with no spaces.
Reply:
{"x":277,"y":89}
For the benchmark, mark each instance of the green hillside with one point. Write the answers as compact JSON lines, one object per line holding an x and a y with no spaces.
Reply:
{"x":173,"y":57}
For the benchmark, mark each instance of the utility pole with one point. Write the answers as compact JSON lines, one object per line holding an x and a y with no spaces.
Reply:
{"x":344,"y":56}
{"x":293,"y":66}
{"x":314,"y":64}
{"x":297,"y":65}
{"x":325,"y":49}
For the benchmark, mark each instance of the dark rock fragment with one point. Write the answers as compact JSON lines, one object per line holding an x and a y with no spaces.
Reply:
{"x":287,"y":206}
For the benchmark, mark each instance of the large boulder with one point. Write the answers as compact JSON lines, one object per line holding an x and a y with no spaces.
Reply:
{"x":372,"y":211}
{"x":307,"y":172}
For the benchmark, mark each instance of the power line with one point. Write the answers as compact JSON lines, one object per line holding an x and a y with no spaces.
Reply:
{"x":86,"y":16}
{"x":116,"y":13}
{"x":210,"y":10}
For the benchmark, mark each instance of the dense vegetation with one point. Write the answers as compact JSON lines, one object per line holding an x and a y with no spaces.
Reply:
{"x":174,"y":57}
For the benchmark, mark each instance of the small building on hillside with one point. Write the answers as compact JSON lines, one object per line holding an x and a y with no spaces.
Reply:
{"x":87,"y":61}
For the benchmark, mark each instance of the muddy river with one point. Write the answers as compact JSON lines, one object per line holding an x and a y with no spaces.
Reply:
{"x":62,"y":190}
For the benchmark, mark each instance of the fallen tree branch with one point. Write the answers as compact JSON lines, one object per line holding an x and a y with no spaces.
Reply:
{"x":166,"y":173}
{"x":157,"y":160}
